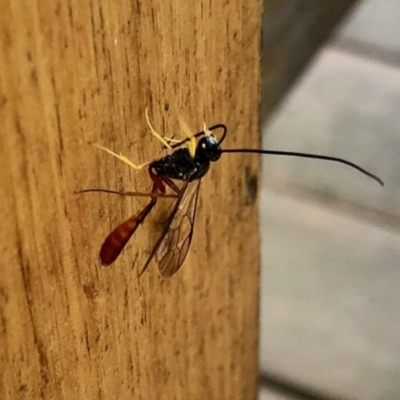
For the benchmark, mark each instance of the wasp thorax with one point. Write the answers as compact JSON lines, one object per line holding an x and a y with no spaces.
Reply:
{"x":208,"y":149}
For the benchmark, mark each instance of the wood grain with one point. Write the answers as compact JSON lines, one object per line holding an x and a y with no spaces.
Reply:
{"x":293,"y":32}
{"x":77,"y":72}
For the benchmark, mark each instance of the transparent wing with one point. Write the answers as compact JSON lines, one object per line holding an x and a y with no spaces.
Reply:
{"x":173,"y":245}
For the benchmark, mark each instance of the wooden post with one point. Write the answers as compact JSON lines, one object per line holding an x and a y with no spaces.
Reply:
{"x":79,"y":72}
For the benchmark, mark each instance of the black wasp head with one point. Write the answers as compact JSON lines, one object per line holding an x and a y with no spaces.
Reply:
{"x":208,"y":149}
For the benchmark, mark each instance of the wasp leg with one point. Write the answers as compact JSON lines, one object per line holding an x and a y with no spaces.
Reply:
{"x":123,"y":158}
{"x":154,"y":133}
{"x":192,"y":140}
{"x":170,"y":183}
{"x":207,"y":132}
{"x":127,"y":193}
{"x":172,"y":140}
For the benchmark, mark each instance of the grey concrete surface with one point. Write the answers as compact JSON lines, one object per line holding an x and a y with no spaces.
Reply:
{"x":266,"y":394}
{"x":376,"y":22}
{"x":330,"y":314}
{"x":330,"y":304}
{"x":348,"y":107}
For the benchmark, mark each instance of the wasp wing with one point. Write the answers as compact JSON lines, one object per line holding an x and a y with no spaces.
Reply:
{"x":173,"y":244}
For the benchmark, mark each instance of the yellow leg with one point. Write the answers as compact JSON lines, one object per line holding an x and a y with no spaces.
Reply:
{"x":192,"y":142}
{"x":206,"y":130}
{"x":154,"y":133}
{"x":171,"y":140}
{"x":122,"y":158}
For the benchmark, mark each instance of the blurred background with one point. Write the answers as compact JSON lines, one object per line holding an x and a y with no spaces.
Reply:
{"x":330,"y":298}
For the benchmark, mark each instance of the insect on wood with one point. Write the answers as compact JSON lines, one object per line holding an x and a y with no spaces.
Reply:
{"x":187,"y":162}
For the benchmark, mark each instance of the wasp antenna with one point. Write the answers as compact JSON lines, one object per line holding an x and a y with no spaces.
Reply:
{"x":307,"y":155}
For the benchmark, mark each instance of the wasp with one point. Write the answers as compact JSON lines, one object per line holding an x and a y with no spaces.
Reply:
{"x":188,"y":162}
